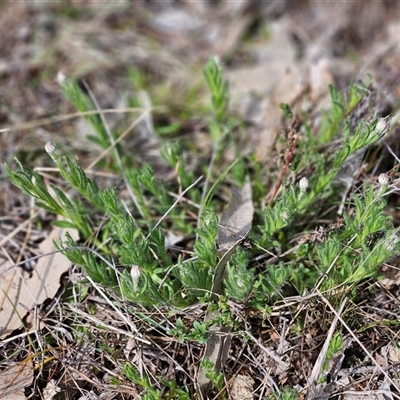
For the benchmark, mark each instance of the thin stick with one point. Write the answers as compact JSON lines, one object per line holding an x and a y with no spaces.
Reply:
{"x":66,"y":117}
{"x":285,"y":168}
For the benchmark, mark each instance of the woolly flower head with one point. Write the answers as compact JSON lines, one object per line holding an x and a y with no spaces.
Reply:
{"x":61,"y":77}
{"x":383,"y":179}
{"x":50,"y":148}
{"x":382,"y":126}
{"x":303,"y":184}
{"x":135,"y":273}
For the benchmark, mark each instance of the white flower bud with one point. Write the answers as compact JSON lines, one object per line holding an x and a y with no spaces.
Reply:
{"x":284,"y":215}
{"x":383,"y":179}
{"x":135,"y":273}
{"x":50,"y":148}
{"x":303,"y":184}
{"x":389,"y":246}
{"x":60,"y":77}
{"x":382,"y":126}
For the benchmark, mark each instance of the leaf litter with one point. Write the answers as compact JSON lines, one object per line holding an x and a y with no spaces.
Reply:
{"x":23,"y":292}
{"x":96,"y":49}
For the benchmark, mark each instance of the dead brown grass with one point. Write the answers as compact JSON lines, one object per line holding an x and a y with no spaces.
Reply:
{"x":98,"y":43}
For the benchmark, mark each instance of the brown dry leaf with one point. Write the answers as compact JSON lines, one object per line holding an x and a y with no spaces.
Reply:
{"x":242,"y":387}
{"x":237,"y":218}
{"x":176,"y":21}
{"x":277,"y":77}
{"x":230,"y":37}
{"x":51,"y":390}
{"x":14,"y":380}
{"x":20,"y":293}
{"x":394,"y":353}
{"x":235,"y":225}
{"x":216,"y":350}
{"x":320,"y":78}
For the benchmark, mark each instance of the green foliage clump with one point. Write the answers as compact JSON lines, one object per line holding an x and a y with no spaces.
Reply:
{"x":137,"y":238}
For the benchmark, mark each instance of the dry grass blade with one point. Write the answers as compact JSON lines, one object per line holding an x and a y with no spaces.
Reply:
{"x":315,"y":389}
{"x":62,"y":118}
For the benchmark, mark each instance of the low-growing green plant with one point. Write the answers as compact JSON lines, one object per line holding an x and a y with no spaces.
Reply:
{"x":172,"y":392}
{"x":138,"y":239}
{"x":197,"y":333}
{"x":217,"y":378}
{"x":285,"y":394}
{"x":149,"y":274}
{"x":335,"y":346}
{"x":143,"y":381}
